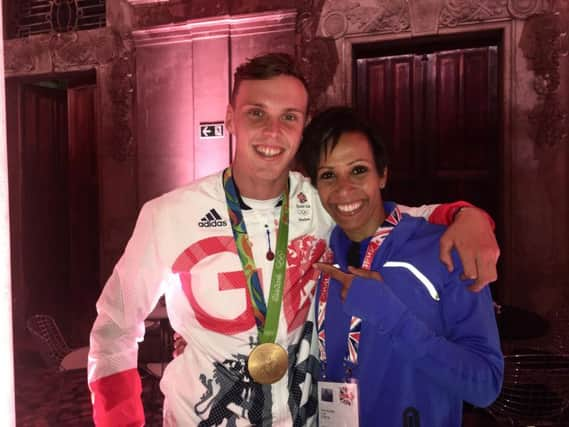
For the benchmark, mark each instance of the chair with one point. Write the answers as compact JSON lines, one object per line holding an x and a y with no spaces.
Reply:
{"x":535,"y":390}
{"x":52,"y":346}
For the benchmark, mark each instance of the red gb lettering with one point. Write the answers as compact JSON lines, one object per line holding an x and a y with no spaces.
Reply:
{"x":299,"y":289}
{"x":226,"y":281}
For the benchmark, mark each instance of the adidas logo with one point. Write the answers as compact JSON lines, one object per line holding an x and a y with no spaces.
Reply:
{"x":212,"y":219}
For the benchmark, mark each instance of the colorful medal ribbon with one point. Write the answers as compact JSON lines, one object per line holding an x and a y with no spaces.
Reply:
{"x":267,"y":319}
{"x":355,"y":323}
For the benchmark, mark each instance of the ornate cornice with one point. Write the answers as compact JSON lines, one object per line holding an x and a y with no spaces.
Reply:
{"x":79,"y":49}
{"x":522,"y":9}
{"x":460,"y":12}
{"x":47,"y":53}
{"x":457,"y":12}
{"x":341,"y":18}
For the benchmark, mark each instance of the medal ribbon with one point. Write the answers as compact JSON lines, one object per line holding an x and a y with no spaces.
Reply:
{"x":267,"y":319}
{"x":355,"y":323}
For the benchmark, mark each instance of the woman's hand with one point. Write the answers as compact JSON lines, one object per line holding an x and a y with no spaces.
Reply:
{"x":345,"y":279}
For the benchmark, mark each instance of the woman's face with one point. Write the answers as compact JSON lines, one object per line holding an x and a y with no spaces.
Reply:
{"x":349,"y":184}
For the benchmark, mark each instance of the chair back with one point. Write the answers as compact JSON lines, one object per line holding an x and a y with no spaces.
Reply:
{"x":535,"y":390}
{"x":52,"y":345}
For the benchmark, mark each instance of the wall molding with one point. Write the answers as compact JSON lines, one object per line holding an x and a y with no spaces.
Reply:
{"x":217,"y":27}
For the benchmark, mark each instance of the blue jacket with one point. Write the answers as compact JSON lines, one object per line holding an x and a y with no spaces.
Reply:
{"x":419,"y":357}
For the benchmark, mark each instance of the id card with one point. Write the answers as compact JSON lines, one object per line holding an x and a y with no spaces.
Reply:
{"x":338,"y":404}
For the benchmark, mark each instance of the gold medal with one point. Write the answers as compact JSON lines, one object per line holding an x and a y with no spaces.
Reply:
{"x":267,"y":363}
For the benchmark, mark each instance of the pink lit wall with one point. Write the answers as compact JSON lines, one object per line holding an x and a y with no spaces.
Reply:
{"x":183,"y":79}
{"x":7,"y":413}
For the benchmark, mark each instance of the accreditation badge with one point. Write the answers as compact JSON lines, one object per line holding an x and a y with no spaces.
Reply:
{"x":338,"y":404}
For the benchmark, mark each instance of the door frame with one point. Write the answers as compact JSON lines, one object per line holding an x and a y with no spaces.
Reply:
{"x":349,"y":45}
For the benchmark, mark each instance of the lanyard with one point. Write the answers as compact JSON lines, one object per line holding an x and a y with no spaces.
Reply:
{"x":353,"y":340}
{"x":267,"y":319}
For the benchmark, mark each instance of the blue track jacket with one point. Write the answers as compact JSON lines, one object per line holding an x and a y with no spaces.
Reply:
{"x":419,"y":357}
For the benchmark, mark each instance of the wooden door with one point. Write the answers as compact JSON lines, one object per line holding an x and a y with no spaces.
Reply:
{"x":54,"y":204}
{"x":83,"y":208}
{"x":45,"y":207}
{"x":439,"y":114}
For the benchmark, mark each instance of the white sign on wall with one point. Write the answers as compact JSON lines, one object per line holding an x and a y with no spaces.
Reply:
{"x":212,"y":130}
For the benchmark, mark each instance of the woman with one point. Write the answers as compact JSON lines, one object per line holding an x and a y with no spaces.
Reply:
{"x":391,"y":317}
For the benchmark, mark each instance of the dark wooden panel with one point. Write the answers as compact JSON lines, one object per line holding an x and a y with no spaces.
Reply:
{"x":378,"y":73}
{"x":439,"y":112}
{"x":388,"y":90}
{"x":83,"y":208}
{"x":448,"y":111}
{"x":468,"y":134}
{"x":44,"y":198}
{"x":401,"y":138}
{"x":476,"y":101}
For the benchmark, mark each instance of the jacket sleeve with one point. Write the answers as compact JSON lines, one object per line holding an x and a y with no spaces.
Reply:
{"x":127,"y":298}
{"x":442,"y":214}
{"x":466,"y":360}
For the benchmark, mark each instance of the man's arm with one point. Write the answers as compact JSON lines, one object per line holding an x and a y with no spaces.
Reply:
{"x":129,"y":295}
{"x":471,"y":232}
{"x":472,"y":235}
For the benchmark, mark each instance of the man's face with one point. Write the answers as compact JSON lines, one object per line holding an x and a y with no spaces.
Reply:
{"x":267,"y":119}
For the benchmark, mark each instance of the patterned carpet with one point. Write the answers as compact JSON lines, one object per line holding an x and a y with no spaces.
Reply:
{"x":61,"y":399}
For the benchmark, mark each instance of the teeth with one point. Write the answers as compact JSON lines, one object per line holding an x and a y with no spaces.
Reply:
{"x":268,"y":151}
{"x":350,"y":207}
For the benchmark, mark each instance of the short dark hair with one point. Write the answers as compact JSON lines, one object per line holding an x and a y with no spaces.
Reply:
{"x":264,"y":67}
{"x":323,"y":133}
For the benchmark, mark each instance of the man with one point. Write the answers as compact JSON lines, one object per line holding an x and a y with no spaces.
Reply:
{"x":234,"y":253}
